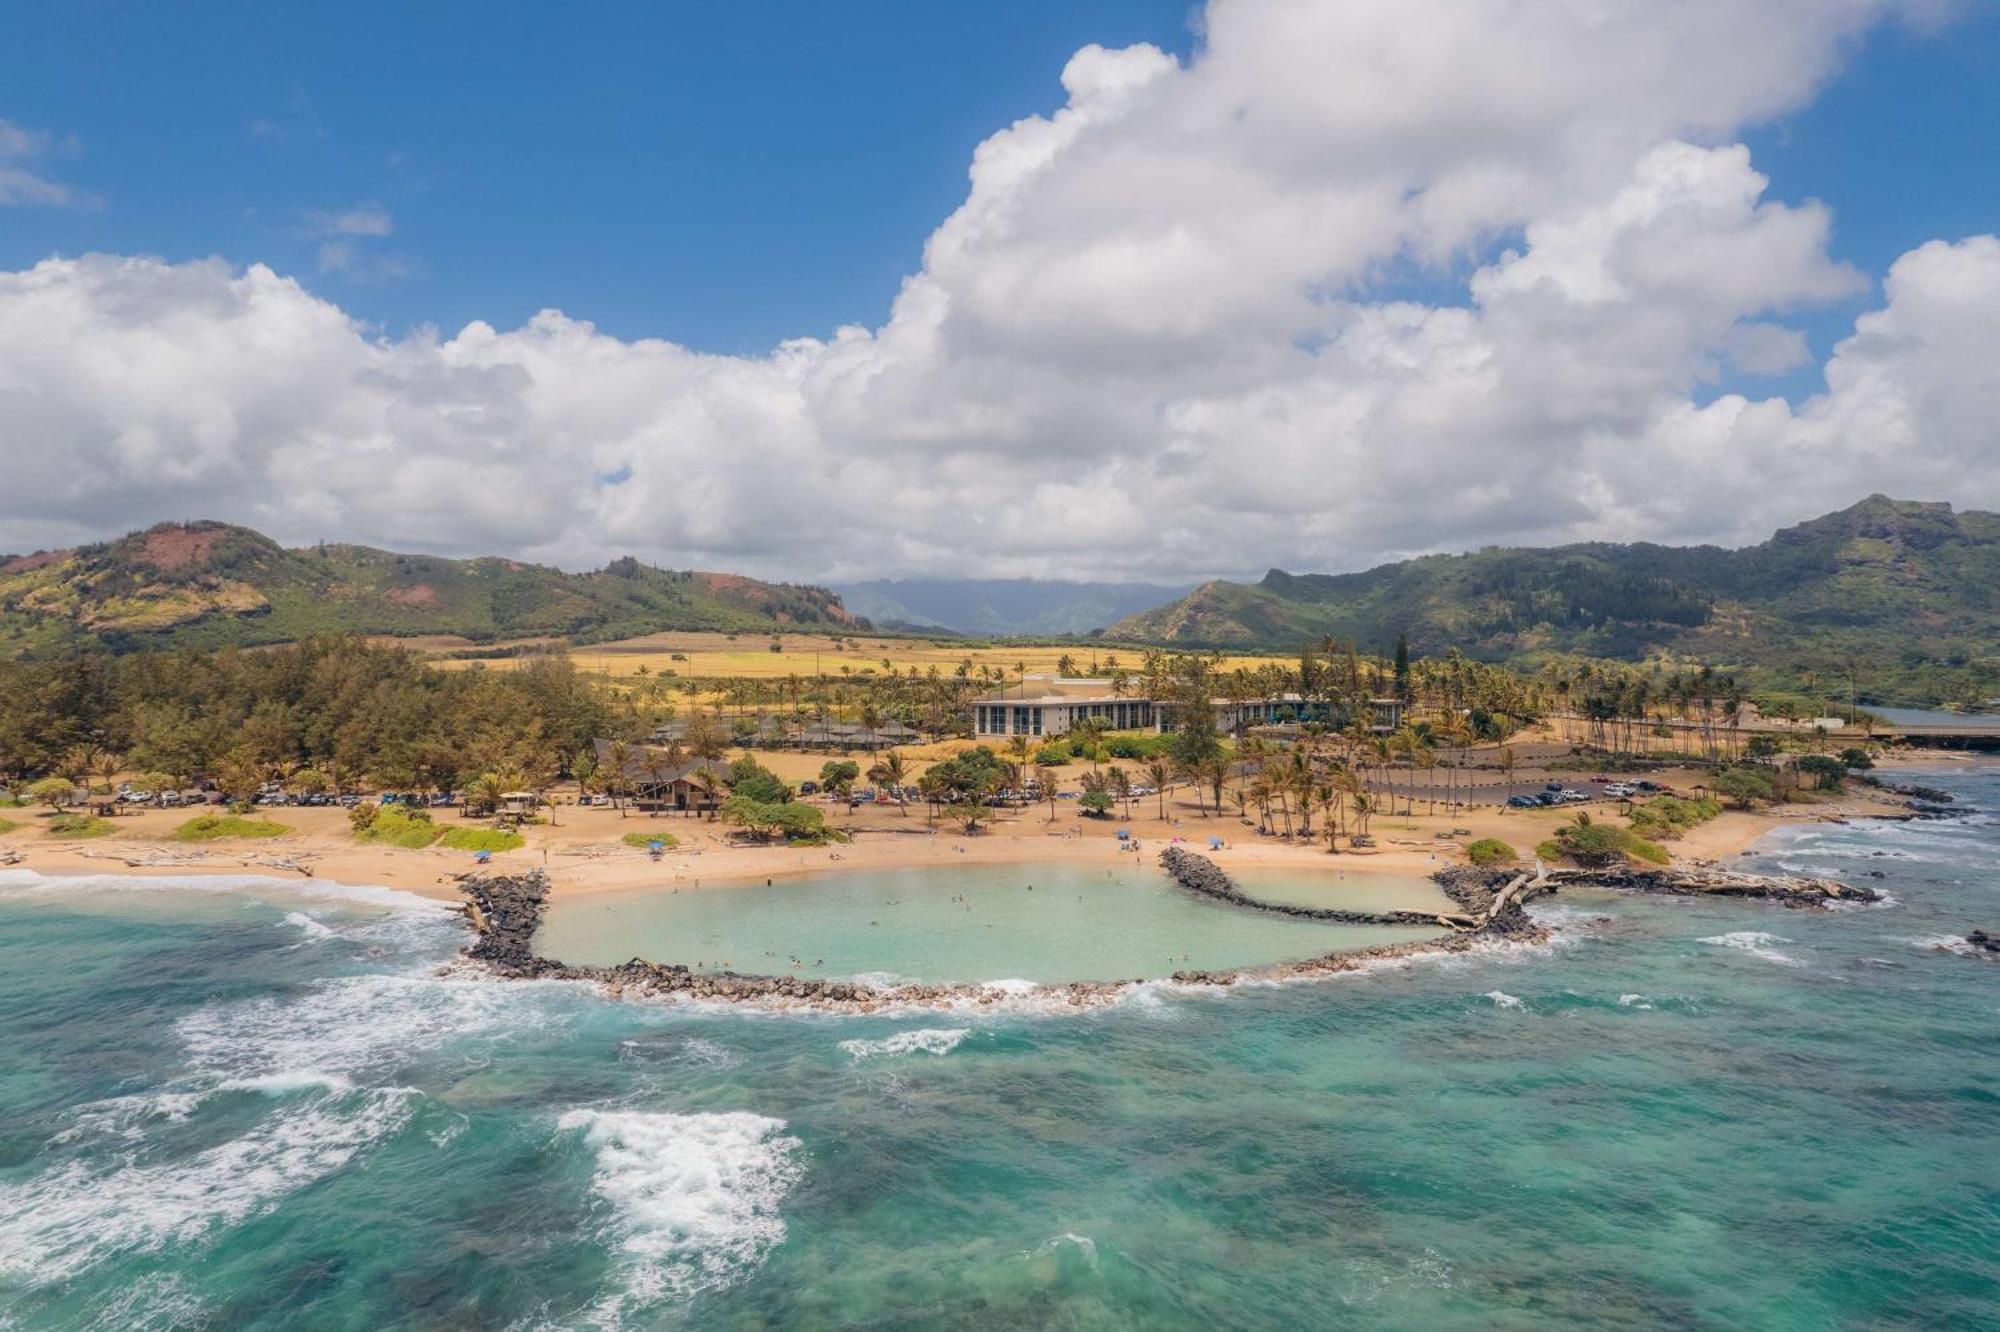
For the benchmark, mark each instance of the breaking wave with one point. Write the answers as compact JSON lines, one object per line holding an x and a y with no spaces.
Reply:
{"x":694,"y":1198}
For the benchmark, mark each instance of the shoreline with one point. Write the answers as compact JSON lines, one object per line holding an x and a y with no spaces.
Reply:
{"x":583,"y":856}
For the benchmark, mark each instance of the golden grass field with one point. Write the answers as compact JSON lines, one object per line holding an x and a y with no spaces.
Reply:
{"x":713,"y":655}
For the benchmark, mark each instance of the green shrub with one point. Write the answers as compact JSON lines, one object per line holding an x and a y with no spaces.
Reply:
{"x":210,"y":827}
{"x":1491,"y":851}
{"x":1744,"y":786}
{"x":797,"y":822}
{"x":1667,"y":817}
{"x":645,"y":840}
{"x":481,"y":839}
{"x":55,"y":792}
{"x":394,"y":825}
{"x":752,"y":780}
{"x":1052,"y":755}
{"x":7,"y":826}
{"x":78,"y":825}
{"x":1596,"y":844}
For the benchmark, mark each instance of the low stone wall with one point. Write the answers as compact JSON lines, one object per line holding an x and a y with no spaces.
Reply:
{"x":1199,"y":874}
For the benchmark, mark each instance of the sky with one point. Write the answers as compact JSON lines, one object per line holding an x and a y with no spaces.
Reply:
{"x":1115,"y":290}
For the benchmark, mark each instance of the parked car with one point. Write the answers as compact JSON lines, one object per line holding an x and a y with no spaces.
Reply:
{"x":808,"y":788}
{"x":1524,"y":801}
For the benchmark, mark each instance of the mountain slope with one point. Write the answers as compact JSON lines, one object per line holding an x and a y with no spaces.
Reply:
{"x":1002,"y":606}
{"x":1895,"y":580}
{"x":209,"y":584}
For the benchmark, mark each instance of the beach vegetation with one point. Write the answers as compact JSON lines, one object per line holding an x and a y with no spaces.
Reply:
{"x":55,"y":792}
{"x":397,"y":825}
{"x":1595,"y":845}
{"x":78,"y":825}
{"x":1745,"y":788}
{"x":7,"y":826}
{"x":1491,"y":851}
{"x":481,"y":839}
{"x":838,"y":776}
{"x":1665,"y":818}
{"x":756,"y":783}
{"x":1096,"y":803}
{"x":1826,"y":771}
{"x":787,"y":818}
{"x":644,"y":841}
{"x":214,"y":827}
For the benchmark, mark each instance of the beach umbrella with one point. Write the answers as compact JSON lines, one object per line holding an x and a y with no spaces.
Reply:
{"x":656,"y":846}
{"x":482,"y":857}
{"x":1215,"y":843}
{"x":1123,"y":834}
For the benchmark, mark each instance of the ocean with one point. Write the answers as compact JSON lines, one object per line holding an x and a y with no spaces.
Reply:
{"x":260,"y":1104}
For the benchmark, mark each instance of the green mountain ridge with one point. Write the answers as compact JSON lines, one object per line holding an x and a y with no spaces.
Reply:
{"x":1910,"y":590}
{"x":211,"y":585}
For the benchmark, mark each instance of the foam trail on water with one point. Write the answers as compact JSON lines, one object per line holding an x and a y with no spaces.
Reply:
{"x":56,"y":1223}
{"x":1501,"y":999}
{"x":928,"y":1040}
{"x":694,"y":1198}
{"x":1756,"y":943}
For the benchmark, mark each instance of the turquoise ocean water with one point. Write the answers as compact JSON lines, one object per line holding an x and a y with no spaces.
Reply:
{"x":245,"y":1104}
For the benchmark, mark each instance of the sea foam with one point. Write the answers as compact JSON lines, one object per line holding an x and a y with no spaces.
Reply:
{"x":56,"y":1223}
{"x":929,"y":1040}
{"x":1756,"y":943}
{"x":694,"y":1198}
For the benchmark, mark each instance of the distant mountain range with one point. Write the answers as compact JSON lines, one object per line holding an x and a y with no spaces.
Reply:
{"x":208,"y":584}
{"x":1904,"y":585}
{"x":1002,"y":607}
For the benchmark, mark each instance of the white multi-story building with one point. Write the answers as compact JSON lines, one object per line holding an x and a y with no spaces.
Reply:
{"x":1045,"y":706}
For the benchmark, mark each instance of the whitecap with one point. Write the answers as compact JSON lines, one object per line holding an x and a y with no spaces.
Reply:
{"x":1083,"y":1245}
{"x":356,"y":1024}
{"x":695,"y":1198}
{"x":306,"y":925}
{"x":1947,"y":943}
{"x":1756,"y":943}
{"x":1633,"y":1001}
{"x":928,"y":1040}
{"x":1501,"y":999}
{"x":59,"y":1222}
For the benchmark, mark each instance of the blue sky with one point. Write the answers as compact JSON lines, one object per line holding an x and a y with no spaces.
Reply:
{"x":1128,"y":319}
{"x":726,"y":175}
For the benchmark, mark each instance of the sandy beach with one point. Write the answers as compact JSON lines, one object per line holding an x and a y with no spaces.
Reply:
{"x":583,"y":852}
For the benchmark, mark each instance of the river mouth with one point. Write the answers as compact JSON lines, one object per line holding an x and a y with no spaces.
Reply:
{"x":1046,"y":924}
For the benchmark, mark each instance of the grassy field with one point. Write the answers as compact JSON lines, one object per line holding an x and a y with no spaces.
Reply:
{"x":712,"y":655}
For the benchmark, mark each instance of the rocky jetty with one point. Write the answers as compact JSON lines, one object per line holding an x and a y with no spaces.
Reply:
{"x":1982,"y":941}
{"x":1199,"y":874}
{"x":1694,"y":881}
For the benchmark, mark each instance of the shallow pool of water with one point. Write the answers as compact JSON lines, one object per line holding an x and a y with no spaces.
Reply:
{"x":1039,"y":923}
{"x":1344,"y":890}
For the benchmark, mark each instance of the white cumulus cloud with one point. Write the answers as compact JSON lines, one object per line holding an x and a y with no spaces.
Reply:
{"x":1162,"y":336}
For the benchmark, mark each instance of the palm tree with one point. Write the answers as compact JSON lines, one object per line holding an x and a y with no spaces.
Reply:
{"x":1046,"y":775}
{"x":1157,"y":773}
{"x":890,"y":771}
{"x":707,"y":786}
